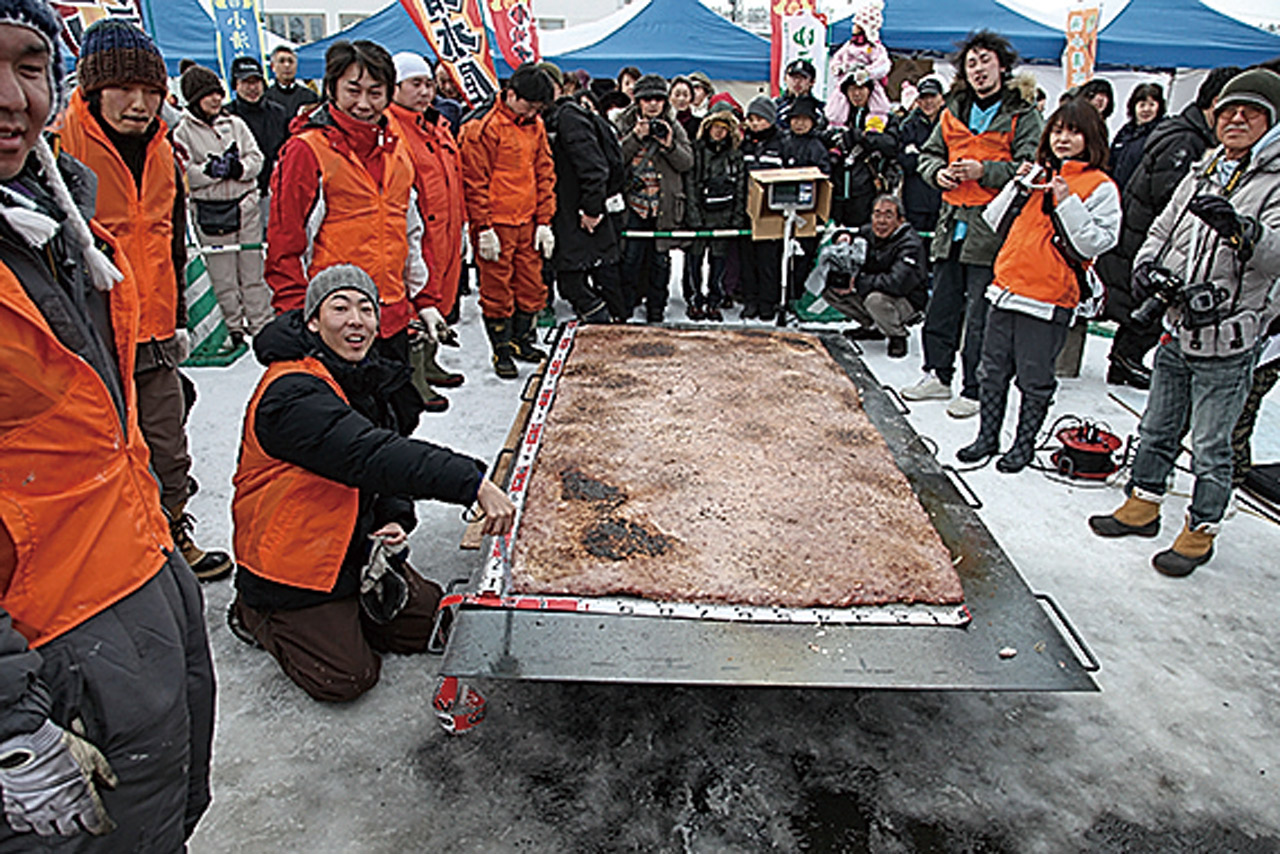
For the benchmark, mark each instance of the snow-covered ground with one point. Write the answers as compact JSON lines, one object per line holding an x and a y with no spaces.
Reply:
{"x":1180,"y":751}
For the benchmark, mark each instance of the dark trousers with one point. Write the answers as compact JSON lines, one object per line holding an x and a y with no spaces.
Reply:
{"x":1132,"y":343}
{"x":331,"y":650}
{"x":405,"y":399}
{"x":958,"y":303}
{"x":1264,"y":379}
{"x":761,"y":273}
{"x":712,"y":294}
{"x":586,"y":290}
{"x":162,"y":417}
{"x":1019,"y":345}
{"x":642,"y":255}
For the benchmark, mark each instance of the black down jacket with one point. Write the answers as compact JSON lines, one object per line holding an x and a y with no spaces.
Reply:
{"x":301,"y":421}
{"x":894,"y":266}
{"x":582,"y":175}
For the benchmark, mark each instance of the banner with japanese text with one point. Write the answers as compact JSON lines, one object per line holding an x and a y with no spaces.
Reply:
{"x":804,"y":36}
{"x":236,"y":22}
{"x":455,"y":31}
{"x":778,"y":11}
{"x":517,"y":31}
{"x":1082,"y":45}
{"x":79,"y":16}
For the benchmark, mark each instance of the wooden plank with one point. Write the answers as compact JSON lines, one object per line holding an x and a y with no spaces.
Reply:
{"x":472,"y":539}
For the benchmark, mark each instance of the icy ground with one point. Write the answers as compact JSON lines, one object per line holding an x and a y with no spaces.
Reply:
{"x":1180,"y":752}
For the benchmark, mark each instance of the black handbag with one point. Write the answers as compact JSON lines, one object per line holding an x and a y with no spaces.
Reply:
{"x":218,"y":218}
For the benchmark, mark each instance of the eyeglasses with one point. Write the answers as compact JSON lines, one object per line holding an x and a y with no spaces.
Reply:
{"x":1248,"y":112}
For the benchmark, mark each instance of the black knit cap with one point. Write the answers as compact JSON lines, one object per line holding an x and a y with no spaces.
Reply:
{"x":116,"y":53}
{"x":197,"y":82}
{"x":650,"y":86}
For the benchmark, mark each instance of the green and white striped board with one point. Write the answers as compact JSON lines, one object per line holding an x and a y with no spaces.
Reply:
{"x":204,"y":318}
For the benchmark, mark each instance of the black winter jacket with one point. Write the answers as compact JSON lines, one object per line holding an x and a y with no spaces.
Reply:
{"x":864,"y":159}
{"x":1126,"y":151}
{"x":716,"y":185}
{"x":762,"y":150}
{"x":807,"y":150}
{"x":894,"y":266}
{"x":301,"y":421}
{"x":921,"y":199}
{"x":582,"y":175}
{"x":269,"y":123}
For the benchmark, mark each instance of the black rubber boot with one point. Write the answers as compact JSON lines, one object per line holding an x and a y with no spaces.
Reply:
{"x":1030,"y":419}
{"x":499,"y":329}
{"x":523,"y":338}
{"x":990,"y":418}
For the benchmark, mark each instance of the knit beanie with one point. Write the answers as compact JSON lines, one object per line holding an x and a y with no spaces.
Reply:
{"x":870,"y":18}
{"x":39,"y":17}
{"x":725,"y":101}
{"x":198,"y":81}
{"x":763,"y":106}
{"x":1257,"y":87}
{"x":650,"y":86}
{"x":410,"y":65}
{"x":330,"y":280}
{"x":116,"y":53}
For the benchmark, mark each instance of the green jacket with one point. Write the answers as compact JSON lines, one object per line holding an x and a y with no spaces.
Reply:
{"x":980,"y":242}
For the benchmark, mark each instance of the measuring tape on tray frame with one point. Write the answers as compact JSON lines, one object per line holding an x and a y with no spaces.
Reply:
{"x":496,"y":578}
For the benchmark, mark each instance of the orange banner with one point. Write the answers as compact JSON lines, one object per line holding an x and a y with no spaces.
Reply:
{"x":1081,"y":52}
{"x":516,"y":29}
{"x":455,"y":31}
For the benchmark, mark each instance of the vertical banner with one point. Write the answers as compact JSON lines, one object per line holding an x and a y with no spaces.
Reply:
{"x":236,"y":22}
{"x":455,"y":31}
{"x":804,"y":36}
{"x":79,"y":16}
{"x":779,"y":10}
{"x":517,"y":31}
{"x":1081,"y":52}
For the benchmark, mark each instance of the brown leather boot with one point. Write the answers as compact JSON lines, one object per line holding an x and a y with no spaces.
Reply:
{"x":1193,"y":547}
{"x":1138,"y":516}
{"x":207,"y":566}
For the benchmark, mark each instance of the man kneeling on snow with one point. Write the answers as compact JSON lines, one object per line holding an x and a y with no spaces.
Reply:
{"x":324,"y":497}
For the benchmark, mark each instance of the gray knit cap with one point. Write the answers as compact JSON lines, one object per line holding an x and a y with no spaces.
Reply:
{"x":340,"y":277}
{"x":763,"y":106}
{"x":1256,"y":87}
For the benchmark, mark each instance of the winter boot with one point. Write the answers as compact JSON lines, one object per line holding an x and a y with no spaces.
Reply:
{"x":598,"y":314}
{"x":433,"y":373}
{"x":1192,"y":547}
{"x":524,"y":338}
{"x":1030,"y":419}
{"x":499,"y":329}
{"x":991,"y":406}
{"x":897,"y":346}
{"x":1139,"y":516}
{"x":207,"y":566}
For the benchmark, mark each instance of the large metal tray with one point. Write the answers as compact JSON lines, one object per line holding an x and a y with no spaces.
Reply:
{"x":1015,"y":640}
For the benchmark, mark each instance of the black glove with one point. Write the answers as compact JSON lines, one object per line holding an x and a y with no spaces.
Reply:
{"x":1142,"y":286}
{"x":1217,"y":213}
{"x":217,"y":167}
{"x":235,"y":169}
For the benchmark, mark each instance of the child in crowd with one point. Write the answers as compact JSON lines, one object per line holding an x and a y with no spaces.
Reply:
{"x":801,"y":146}
{"x":716,"y":192}
{"x":1060,"y":213}
{"x":761,"y":259}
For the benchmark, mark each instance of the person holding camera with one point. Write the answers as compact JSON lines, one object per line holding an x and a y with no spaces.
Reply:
{"x":324,"y":471}
{"x":658,"y":152}
{"x":1209,"y":265}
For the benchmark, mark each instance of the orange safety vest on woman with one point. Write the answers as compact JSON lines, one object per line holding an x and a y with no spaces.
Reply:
{"x":140,"y":221}
{"x":438,"y":180}
{"x":364,"y":224}
{"x":964,"y":144}
{"x":77,"y":500}
{"x":292,"y":526}
{"x":1028,"y":264}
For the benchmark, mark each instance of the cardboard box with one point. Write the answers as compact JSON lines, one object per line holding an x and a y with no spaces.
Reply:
{"x":767,"y":224}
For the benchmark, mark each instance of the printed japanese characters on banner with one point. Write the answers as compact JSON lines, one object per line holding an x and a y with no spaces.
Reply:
{"x":804,"y":36}
{"x":1081,"y":52}
{"x":455,"y":31}
{"x":778,"y":11}
{"x":517,"y":31}
{"x":237,"y":24}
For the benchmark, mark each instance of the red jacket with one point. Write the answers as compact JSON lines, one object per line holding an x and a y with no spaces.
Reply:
{"x":507,"y":170}
{"x":342,"y":192}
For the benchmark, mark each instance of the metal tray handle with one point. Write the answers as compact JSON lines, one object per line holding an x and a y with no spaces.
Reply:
{"x":1089,"y":662}
{"x":966,"y":492}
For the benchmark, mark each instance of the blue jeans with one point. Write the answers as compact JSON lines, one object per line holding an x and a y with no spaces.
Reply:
{"x":1206,"y":397}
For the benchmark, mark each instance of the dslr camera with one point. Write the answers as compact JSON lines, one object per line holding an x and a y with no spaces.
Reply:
{"x":659,"y":129}
{"x":1201,"y":303}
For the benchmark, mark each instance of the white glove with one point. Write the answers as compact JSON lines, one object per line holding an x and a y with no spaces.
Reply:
{"x":182,"y":338}
{"x":615,"y":204}
{"x":436,"y":327}
{"x":488,"y":247}
{"x":544,"y":240}
{"x":48,"y":781}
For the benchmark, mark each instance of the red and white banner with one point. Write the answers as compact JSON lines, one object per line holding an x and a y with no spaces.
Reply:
{"x":1081,"y":52}
{"x":455,"y":31}
{"x":78,"y":15}
{"x":517,"y":31}
{"x":779,"y":10}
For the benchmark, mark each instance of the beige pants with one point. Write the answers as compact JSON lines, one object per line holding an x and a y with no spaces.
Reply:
{"x":887,"y":313}
{"x":237,"y":278}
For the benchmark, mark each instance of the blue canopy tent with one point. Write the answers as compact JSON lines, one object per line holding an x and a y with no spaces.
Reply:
{"x":1181,"y":34}
{"x":929,"y":26}
{"x":671,"y":37}
{"x":182,"y":29}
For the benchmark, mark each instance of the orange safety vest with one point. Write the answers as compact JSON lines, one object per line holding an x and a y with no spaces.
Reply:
{"x":364,"y":224}
{"x":77,"y":499}
{"x":964,"y":144}
{"x":1029,"y":264}
{"x":141,"y":222}
{"x":292,"y":526}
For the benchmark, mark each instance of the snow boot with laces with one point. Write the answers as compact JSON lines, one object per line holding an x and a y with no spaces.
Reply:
{"x":207,"y":566}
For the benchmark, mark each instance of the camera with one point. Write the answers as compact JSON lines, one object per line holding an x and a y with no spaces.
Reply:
{"x":659,"y":128}
{"x":1201,"y":303}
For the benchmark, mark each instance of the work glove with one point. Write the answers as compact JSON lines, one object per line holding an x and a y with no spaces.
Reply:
{"x":1241,"y":232}
{"x":435,"y":326}
{"x":544,"y":240}
{"x":48,"y":781}
{"x":182,"y":338}
{"x":487,"y":245}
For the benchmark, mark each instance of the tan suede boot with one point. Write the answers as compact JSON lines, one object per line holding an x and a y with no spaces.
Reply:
{"x":207,"y":565}
{"x":1193,"y":547}
{"x":1138,"y":516}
